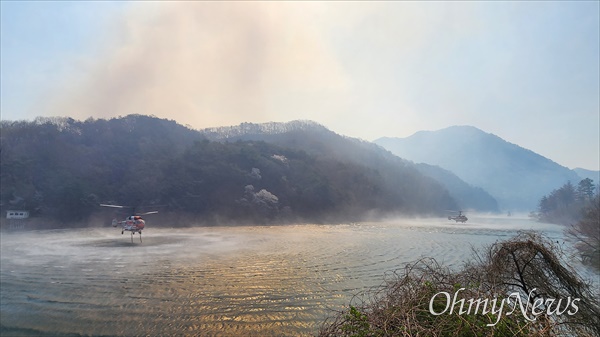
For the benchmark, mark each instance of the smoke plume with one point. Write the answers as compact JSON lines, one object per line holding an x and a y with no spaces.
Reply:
{"x":205,"y":64}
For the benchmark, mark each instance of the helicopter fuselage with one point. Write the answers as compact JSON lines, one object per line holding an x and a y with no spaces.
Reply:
{"x":459,"y":218}
{"x":131,"y":225}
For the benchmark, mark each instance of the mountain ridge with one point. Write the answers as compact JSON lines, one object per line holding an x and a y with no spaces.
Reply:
{"x":591,"y":174}
{"x":517,"y":177}
{"x":143,"y":160}
{"x":318,"y":140}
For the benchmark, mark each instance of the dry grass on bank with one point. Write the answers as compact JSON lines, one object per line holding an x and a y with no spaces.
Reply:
{"x":528,"y":267}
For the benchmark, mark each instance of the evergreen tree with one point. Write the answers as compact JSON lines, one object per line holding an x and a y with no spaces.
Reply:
{"x":585,"y":189}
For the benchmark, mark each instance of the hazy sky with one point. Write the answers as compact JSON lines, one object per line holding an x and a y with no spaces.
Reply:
{"x":525,"y":71}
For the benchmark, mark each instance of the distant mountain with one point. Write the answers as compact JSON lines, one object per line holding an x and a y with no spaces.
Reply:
{"x":516,"y":177}
{"x":317,"y":140}
{"x":583,"y":173}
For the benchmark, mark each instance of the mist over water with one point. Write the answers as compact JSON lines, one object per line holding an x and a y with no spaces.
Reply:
{"x":251,"y":280}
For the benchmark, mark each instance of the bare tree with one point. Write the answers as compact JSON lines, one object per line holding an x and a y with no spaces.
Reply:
{"x":586,"y":233}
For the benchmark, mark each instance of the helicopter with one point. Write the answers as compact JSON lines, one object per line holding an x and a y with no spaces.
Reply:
{"x":133,"y":223}
{"x":458,"y":218}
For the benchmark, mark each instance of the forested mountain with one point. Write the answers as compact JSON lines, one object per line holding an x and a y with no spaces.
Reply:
{"x":516,"y":177}
{"x":62,"y":169}
{"x":319,"y":141}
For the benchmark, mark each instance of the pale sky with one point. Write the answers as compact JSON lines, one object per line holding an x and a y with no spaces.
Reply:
{"x":525,"y":71}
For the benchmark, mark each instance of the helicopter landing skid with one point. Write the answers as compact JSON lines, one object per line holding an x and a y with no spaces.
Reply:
{"x":132,"y":232}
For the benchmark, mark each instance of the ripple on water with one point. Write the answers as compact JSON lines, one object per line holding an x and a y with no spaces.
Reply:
{"x":281,"y":280}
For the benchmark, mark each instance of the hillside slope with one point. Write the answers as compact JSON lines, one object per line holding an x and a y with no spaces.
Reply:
{"x":317,"y":140}
{"x":62,"y":169}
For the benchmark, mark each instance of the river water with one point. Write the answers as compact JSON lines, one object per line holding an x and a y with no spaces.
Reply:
{"x":227,"y":281}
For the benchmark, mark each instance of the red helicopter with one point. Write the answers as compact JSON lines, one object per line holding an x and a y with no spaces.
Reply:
{"x":133,"y":223}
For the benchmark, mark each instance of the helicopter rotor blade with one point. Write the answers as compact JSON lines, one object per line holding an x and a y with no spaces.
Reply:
{"x":114,"y":206}
{"x":153,"y":212}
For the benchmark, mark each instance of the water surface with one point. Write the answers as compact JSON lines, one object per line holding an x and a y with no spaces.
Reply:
{"x":262,"y":280}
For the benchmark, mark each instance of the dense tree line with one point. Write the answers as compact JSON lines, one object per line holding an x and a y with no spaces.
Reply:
{"x":579,"y":209}
{"x":565,"y":204}
{"x":62,"y":169}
